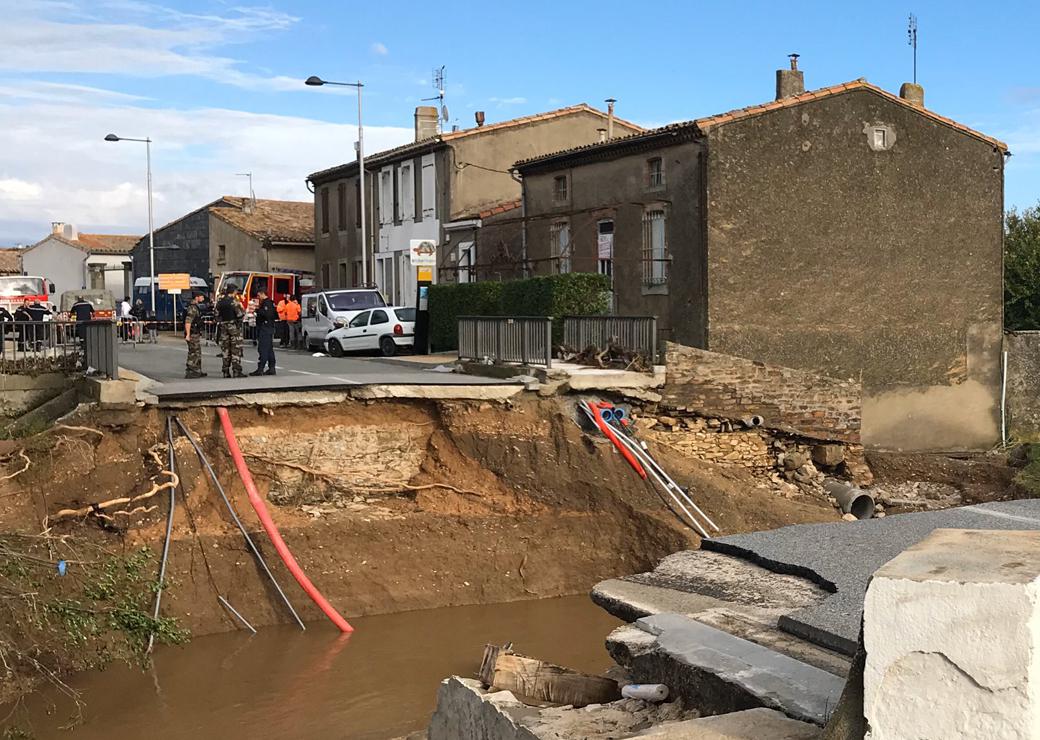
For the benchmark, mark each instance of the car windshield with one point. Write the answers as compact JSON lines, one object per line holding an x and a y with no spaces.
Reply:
{"x":405,"y":314}
{"x":355,"y":301}
{"x":18,"y":285}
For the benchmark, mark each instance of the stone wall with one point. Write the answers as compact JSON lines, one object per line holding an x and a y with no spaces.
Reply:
{"x":1023,"y":384}
{"x":794,"y":401}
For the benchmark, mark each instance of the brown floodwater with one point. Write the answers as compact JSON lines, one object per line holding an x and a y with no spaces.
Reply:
{"x":379,"y":682}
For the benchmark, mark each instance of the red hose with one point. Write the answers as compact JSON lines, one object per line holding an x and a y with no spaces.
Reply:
{"x":272,"y":530}
{"x":609,"y":434}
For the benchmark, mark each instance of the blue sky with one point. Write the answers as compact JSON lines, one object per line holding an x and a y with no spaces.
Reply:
{"x":218,"y":84}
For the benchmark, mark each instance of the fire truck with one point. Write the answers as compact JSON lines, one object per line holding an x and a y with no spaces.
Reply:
{"x":15,"y":289}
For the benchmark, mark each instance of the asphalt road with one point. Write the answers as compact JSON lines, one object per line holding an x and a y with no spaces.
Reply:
{"x":844,"y":555}
{"x":296,"y":369}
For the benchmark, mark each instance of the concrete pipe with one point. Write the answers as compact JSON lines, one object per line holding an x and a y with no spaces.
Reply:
{"x":752,"y":421}
{"x":850,"y":499}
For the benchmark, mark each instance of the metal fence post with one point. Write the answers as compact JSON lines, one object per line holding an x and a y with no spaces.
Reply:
{"x":548,"y":341}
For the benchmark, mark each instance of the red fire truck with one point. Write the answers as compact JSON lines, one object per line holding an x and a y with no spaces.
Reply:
{"x":15,"y":289}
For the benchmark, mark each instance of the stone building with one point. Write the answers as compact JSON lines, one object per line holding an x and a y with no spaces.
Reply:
{"x":233,"y":233}
{"x":435,"y":188}
{"x":73,"y":260}
{"x":848,"y":231}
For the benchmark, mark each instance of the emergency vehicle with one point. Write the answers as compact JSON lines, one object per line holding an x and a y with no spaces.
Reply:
{"x":15,"y":289}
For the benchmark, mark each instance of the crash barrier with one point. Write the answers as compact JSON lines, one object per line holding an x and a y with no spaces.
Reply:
{"x":59,"y":346}
{"x":636,"y":334}
{"x":523,"y":339}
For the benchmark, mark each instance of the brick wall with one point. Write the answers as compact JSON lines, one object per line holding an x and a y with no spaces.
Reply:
{"x":795,"y":401}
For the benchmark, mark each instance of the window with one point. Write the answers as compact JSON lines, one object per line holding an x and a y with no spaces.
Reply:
{"x":360,"y":320}
{"x":282,"y":287}
{"x":605,"y":248}
{"x":655,"y":173}
{"x":655,"y":248}
{"x":97,"y":277}
{"x":355,"y":300}
{"x":379,"y":317}
{"x":465,"y":260}
{"x":326,"y":276}
{"x":341,"y":206}
{"x":880,"y":138}
{"x":560,"y":188}
{"x":429,"y":185}
{"x":221,"y":254}
{"x":386,"y":197}
{"x":323,"y":305}
{"x":406,"y":185}
{"x":357,"y":273}
{"x":560,"y":246}
{"x":258,"y":283}
{"x":405,"y":314}
{"x":324,"y":210}
{"x":357,"y":203}
{"x":342,"y":282}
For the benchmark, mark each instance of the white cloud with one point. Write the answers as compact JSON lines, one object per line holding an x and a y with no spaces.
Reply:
{"x":55,"y":166}
{"x":508,"y":101}
{"x":145,"y":40}
{"x":380,"y":49}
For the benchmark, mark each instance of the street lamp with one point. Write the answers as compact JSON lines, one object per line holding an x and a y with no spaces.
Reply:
{"x":315,"y":81}
{"x":151,"y":233}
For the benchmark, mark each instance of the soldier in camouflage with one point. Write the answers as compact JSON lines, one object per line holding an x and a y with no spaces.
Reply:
{"x":230,"y":315}
{"x":193,"y":336}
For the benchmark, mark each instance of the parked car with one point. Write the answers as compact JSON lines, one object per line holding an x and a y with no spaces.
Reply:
{"x":334,"y":309}
{"x":384,"y":329}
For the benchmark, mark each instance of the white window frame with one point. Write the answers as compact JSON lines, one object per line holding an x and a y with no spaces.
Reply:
{"x":560,"y":246}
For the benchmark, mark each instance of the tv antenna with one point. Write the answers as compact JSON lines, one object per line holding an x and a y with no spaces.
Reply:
{"x":438,"y":85}
{"x":911,"y":40}
{"x":252,"y":195}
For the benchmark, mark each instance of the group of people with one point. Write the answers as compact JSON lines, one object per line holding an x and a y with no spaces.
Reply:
{"x":132,"y":320}
{"x":26,"y":337}
{"x":230,"y":315}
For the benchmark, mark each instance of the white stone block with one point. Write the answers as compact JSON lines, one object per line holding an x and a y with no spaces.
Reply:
{"x":951,"y":628}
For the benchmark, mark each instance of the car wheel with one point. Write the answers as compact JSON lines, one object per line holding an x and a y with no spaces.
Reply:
{"x":387,"y":346}
{"x":335,"y":348}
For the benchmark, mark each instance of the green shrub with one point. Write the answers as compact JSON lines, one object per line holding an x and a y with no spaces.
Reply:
{"x":576,"y":293}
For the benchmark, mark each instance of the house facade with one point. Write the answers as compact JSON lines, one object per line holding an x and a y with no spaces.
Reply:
{"x":434,"y":189}
{"x":74,"y":260}
{"x":232,"y":233}
{"x":848,"y":231}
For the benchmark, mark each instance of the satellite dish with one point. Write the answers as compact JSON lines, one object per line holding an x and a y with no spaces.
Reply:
{"x":444,"y":112}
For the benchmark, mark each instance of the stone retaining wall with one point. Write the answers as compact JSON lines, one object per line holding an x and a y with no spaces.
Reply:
{"x":794,"y":401}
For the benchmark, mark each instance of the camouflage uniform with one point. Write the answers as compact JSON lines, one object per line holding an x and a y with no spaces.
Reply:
{"x":231,"y":339}
{"x":193,"y":318}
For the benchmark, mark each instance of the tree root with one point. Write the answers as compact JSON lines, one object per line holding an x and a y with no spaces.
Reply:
{"x":28,"y":463}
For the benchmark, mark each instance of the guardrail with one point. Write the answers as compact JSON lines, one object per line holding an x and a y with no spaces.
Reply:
{"x":59,"y":346}
{"x":636,"y":334}
{"x":523,"y":339}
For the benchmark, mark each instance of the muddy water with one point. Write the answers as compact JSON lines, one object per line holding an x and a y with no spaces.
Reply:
{"x":380,"y":682}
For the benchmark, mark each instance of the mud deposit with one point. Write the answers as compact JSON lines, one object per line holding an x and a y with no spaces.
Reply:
{"x":380,"y":682}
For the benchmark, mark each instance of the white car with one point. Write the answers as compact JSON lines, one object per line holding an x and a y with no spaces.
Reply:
{"x":332,"y":309}
{"x":384,"y":329}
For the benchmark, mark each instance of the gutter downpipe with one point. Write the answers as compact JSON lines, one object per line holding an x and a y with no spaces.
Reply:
{"x":272,"y":529}
{"x":1003,"y":401}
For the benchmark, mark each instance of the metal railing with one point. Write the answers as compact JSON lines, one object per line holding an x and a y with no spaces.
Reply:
{"x":72,"y":347}
{"x":637,"y":334}
{"x":494,"y":339}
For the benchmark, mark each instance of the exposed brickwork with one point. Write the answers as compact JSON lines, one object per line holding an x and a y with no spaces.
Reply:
{"x":794,"y":401}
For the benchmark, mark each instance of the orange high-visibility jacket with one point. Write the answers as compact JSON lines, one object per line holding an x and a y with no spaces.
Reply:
{"x":280,"y":308}
{"x":292,"y":311}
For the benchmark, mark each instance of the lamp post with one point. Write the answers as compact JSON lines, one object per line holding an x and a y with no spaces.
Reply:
{"x":151,"y":233}
{"x":315,"y":81}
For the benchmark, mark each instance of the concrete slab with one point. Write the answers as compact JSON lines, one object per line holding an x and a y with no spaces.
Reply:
{"x":842,"y":556}
{"x":764,"y":676}
{"x":751,"y":724}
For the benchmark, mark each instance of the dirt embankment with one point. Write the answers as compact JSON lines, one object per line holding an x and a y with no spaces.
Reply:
{"x":388,"y":506}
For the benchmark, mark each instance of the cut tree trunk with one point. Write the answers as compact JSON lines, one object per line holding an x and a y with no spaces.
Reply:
{"x":535,"y":680}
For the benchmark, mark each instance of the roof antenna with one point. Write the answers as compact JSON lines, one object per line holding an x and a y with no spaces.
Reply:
{"x":252,"y":195}
{"x":911,"y":40}
{"x":438,"y":85}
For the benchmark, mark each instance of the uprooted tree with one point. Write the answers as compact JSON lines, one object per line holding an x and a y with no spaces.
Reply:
{"x":1022,"y":269}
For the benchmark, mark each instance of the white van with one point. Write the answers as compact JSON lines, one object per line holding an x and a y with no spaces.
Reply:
{"x":332,"y":309}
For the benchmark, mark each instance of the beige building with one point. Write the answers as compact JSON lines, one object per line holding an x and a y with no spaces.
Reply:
{"x":431,"y":189}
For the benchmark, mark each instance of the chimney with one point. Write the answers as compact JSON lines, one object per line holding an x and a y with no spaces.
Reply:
{"x":610,"y":117}
{"x":790,"y":82}
{"x":602,"y":134}
{"x":57,"y":227}
{"x":69,"y":232}
{"x":479,"y":116}
{"x":912,"y":93}
{"x":426,"y":117}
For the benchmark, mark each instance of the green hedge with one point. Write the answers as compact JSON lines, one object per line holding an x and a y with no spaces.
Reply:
{"x":575,"y":293}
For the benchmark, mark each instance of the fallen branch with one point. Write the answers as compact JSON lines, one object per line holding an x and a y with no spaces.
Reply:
{"x":16,"y":474}
{"x":78,"y":429}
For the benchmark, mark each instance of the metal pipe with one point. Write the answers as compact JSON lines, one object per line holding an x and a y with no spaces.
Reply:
{"x":169,"y":532}
{"x":1003,"y":401}
{"x":234,"y":611}
{"x":752,"y":421}
{"x":238,"y":522}
{"x":851,"y":500}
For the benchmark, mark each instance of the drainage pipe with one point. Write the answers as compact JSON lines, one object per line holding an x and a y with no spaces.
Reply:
{"x":169,"y":532}
{"x":850,"y":499}
{"x":238,"y":522}
{"x":595,"y":418}
{"x":272,"y":529}
{"x":666,"y":480}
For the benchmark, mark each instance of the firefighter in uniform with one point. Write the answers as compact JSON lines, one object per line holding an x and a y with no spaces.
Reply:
{"x":192,"y":335}
{"x":230,"y":315}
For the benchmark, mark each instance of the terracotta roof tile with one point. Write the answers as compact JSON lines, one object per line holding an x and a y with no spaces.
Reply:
{"x":500,"y":208}
{"x":96,"y":243}
{"x":10,"y":261}
{"x":278,"y":220}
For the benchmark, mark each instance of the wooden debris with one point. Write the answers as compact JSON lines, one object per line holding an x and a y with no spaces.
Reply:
{"x":611,"y":356}
{"x":535,"y":680}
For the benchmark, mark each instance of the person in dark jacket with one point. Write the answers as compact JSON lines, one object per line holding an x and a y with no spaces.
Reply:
{"x":266,"y":318}
{"x":82,"y":311}
{"x":21,"y":314}
{"x":41,"y":334}
{"x":5,"y":319}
